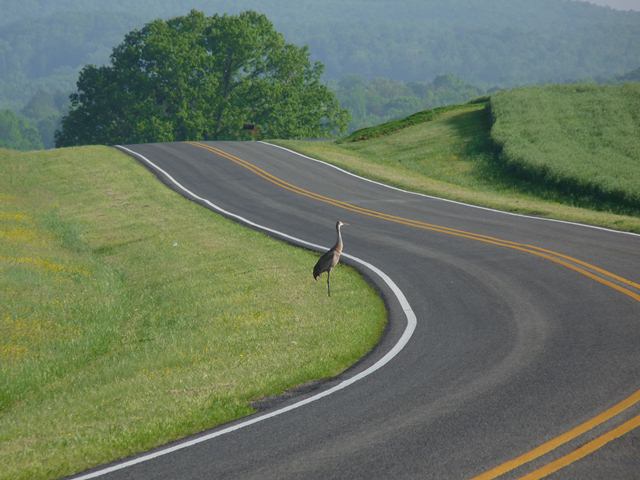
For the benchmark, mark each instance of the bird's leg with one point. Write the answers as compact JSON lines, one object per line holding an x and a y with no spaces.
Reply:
{"x":328,"y":285}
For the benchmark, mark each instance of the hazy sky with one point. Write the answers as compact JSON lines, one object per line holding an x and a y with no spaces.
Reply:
{"x":619,"y":4}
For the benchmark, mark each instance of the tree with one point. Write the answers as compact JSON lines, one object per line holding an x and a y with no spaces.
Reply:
{"x":633,"y":76}
{"x":15,"y":132}
{"x":199,"y":77}
{"x":379,"y":100}
{"x":44,"y":111}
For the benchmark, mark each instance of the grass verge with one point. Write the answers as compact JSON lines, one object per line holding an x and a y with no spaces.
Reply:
{"x":453,"y":156}
{"x":131,"y":317}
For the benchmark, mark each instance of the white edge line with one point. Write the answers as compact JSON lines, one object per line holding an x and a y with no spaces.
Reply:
{"x":533,"y":217}
{"x":404,"y":338}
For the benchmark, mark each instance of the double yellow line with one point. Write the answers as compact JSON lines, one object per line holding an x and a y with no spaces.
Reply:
{"x":600,"y":275}
{"x":595,"y":273}
{"x":566,"y":437}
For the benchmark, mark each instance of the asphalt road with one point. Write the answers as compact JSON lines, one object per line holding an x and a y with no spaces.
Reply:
{"x":514,"y":346}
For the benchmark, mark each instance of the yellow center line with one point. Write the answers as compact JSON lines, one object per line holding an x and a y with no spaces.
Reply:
{"x":560,"y":439}
{"x":592,"y":267}
{"x":532,"y":250}
{"x":584,"y":450}
{"x":546,"y":254}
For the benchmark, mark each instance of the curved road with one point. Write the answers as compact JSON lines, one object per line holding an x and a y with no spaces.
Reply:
{"x":527,"y":337}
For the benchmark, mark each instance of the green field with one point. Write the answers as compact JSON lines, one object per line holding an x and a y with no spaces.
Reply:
{"x":582,"y":139}
{"x":131,"y":316}
{"x":452,"y":154}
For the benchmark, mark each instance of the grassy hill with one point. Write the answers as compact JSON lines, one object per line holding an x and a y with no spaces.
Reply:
{"x":582,"y":139}
{"x":131,"y":317}
{"x":589,"y":135}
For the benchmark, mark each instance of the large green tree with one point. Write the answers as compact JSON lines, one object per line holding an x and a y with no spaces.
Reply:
{"x":199,"y":77}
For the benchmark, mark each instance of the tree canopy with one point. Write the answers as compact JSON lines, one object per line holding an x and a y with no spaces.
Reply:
{"x":199,"y":77}
{"x":381,"y":99}
{"x":17,"y":133}
{"x":504,"y":43}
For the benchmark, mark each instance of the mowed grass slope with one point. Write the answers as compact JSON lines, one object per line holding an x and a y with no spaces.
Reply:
{"x":130,"y":316}
{"x":452,"y":155}
{"x":584,"y":139}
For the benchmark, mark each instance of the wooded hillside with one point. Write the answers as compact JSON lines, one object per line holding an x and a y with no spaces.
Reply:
{"x":44,"y":44}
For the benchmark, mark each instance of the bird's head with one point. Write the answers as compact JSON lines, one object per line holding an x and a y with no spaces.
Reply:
{"x":340,"y":223}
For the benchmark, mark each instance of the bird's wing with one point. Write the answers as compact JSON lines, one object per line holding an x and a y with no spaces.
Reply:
{"x":324,"y":263}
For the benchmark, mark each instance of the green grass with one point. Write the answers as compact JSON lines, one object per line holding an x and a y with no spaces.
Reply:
{"x":131,"y":317}
{"x":394,"y":125}
{"x":452,"y":155}
{"x":581,"y":139}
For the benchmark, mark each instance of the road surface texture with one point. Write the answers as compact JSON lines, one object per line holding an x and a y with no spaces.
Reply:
{"x":527,"y":339}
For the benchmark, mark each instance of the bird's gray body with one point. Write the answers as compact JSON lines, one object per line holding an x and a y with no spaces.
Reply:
{"x":326,"y":262}
{"x":330,"y":258}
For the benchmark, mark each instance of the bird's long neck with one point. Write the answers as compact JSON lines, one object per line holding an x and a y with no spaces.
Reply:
{"x":338,"y":245}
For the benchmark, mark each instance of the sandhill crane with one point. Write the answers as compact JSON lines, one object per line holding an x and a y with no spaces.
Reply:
{"x":330,"y":259}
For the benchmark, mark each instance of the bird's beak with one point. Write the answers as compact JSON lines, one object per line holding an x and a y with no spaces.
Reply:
{"x":343,"y":224}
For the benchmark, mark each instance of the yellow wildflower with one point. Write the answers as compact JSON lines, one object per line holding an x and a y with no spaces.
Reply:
{"x":15,"y":217}
{"x":44,"y":264}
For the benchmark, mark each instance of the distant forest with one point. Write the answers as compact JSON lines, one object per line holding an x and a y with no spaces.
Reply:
{"x":384,"y":58}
